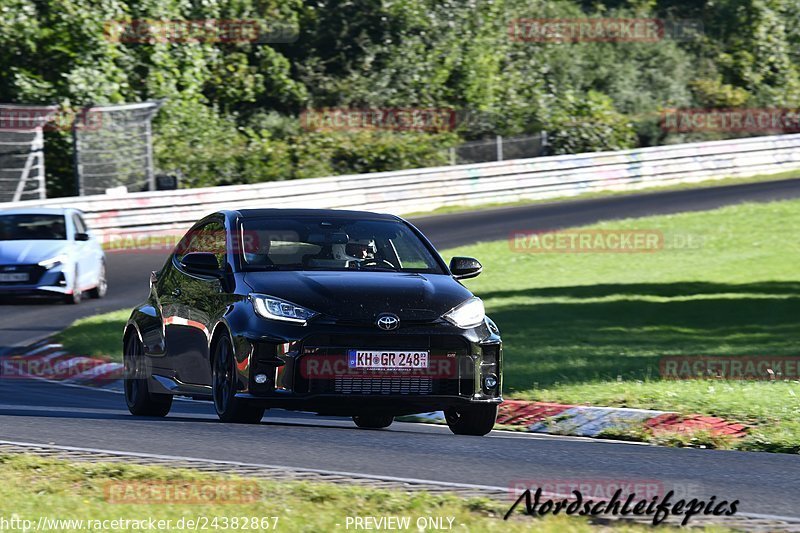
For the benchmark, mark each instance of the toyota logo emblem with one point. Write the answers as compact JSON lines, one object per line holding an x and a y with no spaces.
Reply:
{"x":388,"y":321}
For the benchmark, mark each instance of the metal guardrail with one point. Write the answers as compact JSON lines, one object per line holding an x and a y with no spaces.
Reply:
{"x":429,"y":188}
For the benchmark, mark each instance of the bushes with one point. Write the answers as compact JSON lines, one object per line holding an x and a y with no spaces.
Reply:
{"x":589,"y":124}
{"x":208,"y":148}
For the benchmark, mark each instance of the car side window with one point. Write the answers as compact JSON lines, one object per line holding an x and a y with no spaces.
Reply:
{"x":208,"y":238}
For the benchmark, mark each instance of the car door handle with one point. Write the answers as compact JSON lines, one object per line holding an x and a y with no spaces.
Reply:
{"x":176,"y":292}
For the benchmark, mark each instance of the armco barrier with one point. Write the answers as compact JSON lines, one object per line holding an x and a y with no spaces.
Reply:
{"x":425,"y":189}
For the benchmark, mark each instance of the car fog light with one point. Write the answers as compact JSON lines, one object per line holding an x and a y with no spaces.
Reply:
{"x":261,"y":378}
{"x":490,"y":382}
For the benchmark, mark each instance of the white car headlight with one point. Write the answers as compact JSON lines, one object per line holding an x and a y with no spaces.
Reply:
{"x":468,"y":314}
{"x":53,"y":261}
{"x":277,"y":309}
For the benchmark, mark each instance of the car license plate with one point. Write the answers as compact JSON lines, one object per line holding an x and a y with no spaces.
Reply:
{"x":19,"y":276}
{"x":387,"y":359}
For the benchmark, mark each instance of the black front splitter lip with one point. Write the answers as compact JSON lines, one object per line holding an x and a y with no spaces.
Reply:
{"x":341,"y":405}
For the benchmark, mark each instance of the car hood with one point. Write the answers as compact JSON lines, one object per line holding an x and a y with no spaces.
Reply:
{"x":362,"y":296}
{"x":30,"y":252}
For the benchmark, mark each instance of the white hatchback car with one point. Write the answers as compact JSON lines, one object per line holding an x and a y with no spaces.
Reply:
{"x":50,"y":251}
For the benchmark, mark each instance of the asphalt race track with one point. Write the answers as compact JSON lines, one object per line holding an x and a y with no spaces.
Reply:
{"x":41,"y":412}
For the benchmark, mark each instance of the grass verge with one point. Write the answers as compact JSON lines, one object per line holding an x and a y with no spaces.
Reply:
{"x":35,"y":487}
{"x":96,"y":336}
{"x":591,"y":328}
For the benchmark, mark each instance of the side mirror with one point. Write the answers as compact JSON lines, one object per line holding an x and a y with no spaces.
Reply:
{"x":465,"y":267}
{"x":202,"y":263}
{"x":81,"y":236}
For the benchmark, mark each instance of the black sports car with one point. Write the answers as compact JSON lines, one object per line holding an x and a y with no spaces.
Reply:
{"x":336,"y":312}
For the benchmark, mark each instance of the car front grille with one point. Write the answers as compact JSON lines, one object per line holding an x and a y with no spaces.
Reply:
{"x":34,"y":272}
{"x":409,"y":385}
{"x":377,"y":386}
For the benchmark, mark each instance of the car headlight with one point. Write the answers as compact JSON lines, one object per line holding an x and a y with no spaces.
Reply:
{"x":468,"y":314}
{"x":53,"y":261}
{"x":277,"y":309}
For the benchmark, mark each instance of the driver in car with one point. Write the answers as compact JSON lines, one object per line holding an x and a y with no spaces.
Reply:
{"x":361,"y":249}
{"x":356,"y":250}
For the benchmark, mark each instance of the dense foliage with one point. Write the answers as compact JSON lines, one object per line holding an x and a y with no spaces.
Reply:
{"x":232,"y":108}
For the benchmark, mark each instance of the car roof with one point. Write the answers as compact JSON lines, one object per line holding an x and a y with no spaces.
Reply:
{"x":322,"y":213}
{"x":38,"y":211}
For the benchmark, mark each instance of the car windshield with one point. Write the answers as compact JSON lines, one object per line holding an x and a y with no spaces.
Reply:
{"x":34,"y":227}
{"x":311,"y":243}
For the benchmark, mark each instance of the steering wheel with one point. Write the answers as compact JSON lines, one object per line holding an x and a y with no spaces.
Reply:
{"x":377,"y":262}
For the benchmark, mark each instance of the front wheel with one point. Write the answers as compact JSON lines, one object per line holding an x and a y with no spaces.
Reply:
{"x":373,"y":421}
{"x":140,"y":401}
{"x":75,"y":295}
{"x":475,"y":420}
{"x":224,"y":384}
{"x":101,"y":288}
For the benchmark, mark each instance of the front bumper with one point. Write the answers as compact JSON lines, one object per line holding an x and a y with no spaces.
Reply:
{"x":311,"y":372}
{"x":41,"y":281}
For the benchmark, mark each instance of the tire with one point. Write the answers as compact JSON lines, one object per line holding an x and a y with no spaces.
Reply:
{"x":140,"y":401}
{"x":475,"y":420}
{"x":102,"y":284}
{"x":223,"y":387}
{"x":373,"y":421}
{"x":76,"y":296}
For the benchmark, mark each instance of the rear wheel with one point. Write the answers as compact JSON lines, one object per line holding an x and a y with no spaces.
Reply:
{"x":141,"y":402}
{"x":471,"y":419}
{"x":223,"y":387}
{"x":373,"y":421}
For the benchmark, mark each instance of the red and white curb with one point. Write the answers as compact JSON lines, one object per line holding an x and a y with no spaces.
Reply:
{"x":49,"y":361}
{"x":587,"y":421}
